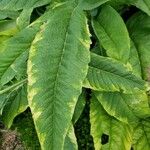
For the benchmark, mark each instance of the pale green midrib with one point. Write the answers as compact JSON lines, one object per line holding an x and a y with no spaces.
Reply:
{"x":20,"y":83}
{"x":57,"y":76}
{"x":113,"y":74}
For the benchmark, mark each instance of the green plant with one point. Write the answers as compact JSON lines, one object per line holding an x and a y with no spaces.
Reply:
{"x":52,"y":51}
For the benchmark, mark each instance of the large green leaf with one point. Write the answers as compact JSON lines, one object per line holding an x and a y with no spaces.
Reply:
{"x":60,"y":53}
{"x":119,"y":134}
{"x":112,"y":33}
{"x":20,"y":4}
{"x":125,"y":107}
{"x":91,"y":4}
{"x":14,"y":106}
{"x":139,"y":28}
{"x":141,"y":136}
{"x":107,"y":74}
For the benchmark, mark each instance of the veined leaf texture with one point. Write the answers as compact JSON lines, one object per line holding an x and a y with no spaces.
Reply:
{"x":76,"y":62}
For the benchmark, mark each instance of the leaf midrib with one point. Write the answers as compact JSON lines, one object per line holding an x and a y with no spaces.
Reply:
{"x":113,"y":74}
{"x":57,"y":72}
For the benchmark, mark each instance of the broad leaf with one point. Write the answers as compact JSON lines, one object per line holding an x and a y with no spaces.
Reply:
{"x":107,"y":74}
{"x":141,"y":136}
{"x":125,"y":107}
{"x":91,"y":4}
{"x":60,"y":52}
{"x":139,"y":28}
{"x":119,"y":134}
{"x":14,"y":106}
{"x":112,"y":33}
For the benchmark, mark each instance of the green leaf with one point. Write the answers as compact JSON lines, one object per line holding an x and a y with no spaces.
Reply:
{"x":79,"y":106}
{"x":112,"y":33}
{"x":12,"y":49}
{"x":134,"y":60}
{"x":128,"y":108}
{"x":119,"y":134}
{"x":91,"y":4}
{"x":144,"y":5}
{"x":6,"y":92}
{"x":3,"y":100}
{"x":8,"y":14}
{"x":8,"y":27}
{"x":15,"y":106}
{"x":64,"y":63}
{"x":21,"y":4}
{"x":141,"y":136}
{"x":24,"y":18}
{"x":70,"y":140}
{"x":139,"y":28}
{"x":16,"y":69}
{"x":107,"y":74}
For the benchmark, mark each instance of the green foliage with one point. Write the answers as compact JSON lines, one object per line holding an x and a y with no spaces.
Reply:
{"x":54,"y":54}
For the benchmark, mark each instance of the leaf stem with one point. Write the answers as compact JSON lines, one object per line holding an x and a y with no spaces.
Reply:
{"x":13,"y":86}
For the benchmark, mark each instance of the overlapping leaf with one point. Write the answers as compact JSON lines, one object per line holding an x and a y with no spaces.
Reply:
{"x":141,"y":136}
{"x":91,"y":4}
{"x":79,"y":106}
{"x":128,"y":108}
{"x":139,"y":28}
{"x":112,"y":33}
{"x":106,"y":74}
{"x":56,"y":70}
{"x":119,"y":134}
{"x":70,"y":140}
{"x":13,"y":50}
{"x":15,"y":105}
{"x":21,"y":4}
